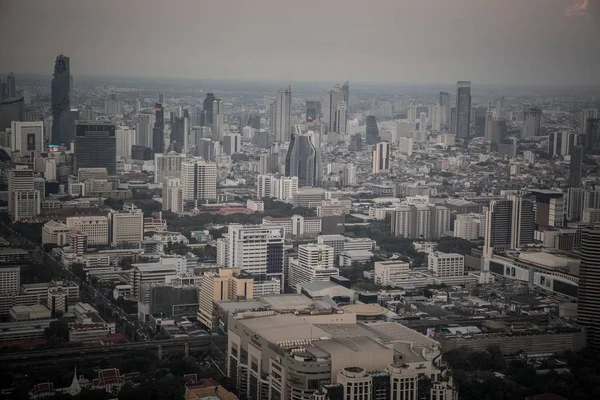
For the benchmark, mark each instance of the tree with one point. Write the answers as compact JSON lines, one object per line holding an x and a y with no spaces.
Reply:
{"x":58,"y":329}
{"x":78,"y":270}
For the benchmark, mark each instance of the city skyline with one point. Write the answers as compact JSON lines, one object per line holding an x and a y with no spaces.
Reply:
{"x":554,"y":30}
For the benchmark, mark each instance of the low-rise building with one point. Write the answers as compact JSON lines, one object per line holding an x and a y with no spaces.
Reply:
{"x":446,"y":264}
{"x":390,"y":273}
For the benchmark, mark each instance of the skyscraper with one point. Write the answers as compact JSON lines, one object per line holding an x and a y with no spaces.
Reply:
{"x":179,"y":134}
{"x":381,"y":158}
{"x":304,"y":159}
{"x":283,"y":119}
{"x":96,"y":146}
{"x":412,"y":115}
{"x":588,"y":304}
{"x":207,"y":119}
{"x":144,"y":130}
{"x":158,"y":132}
{"x":23,"y":199}
{"x":422,"y":122}
{"x":446,"y":103}
{"x":509,"y":224}
{"x":61,"y":101}
{"x":532,"y":123}
{"x":232,"y":143}
{"x":334,"y":101}
{"x":372,"y":130}
{"x":480,"y":117}
{"x":125,"y":138}
{"x":463,"y":109}
{"x":586,"y":114}
{"x":592,"y":135}
{"x":11,"y":87}
{"x":313,"y":110}
{"x":355,"y":142}
{"x":576,"y":166}
{"x":217,"y":119}
{"x":199,"y":180}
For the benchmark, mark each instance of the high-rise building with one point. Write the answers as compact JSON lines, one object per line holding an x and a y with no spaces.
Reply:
{"x":588,"y":304}
{"x":158,"y":131}
{"x":412,"y":115}
{"x":381,"y":158}
{"x":372,"y":131}
{"x":480,"y":120}
{"x":144,"y":130}
{"x":172,"y":195}
{"x":95,"y":227}
{"x":575,"y":203}
{"x":180,"y":134}
{"x":509,"y":224}
{"x":61,"y":102}
{"x":586,"y":114}
{"x":167,"y":166}
{"x":13,"y":109}
{"x":255,"y":249}
{"x":446,"y":264}
{"x":436,"y":117}
{"x":314,"y":264}
{"x":125,"y":138}
{"x":348,"y":176}
{"x":576,"y":166}
{"x":453,"y":120}
{"x":355,"y":142}
{"x":283,"y":115}
{"x":445,"y":103}
{"x":469,"y":226}
{"x":232,"y":143}
{"x":422,"y":122}
{"x":313,"y":111}
{"x":334,"y":102}
{"x":23,"y":199}
{"x":304,"y":159}
{"x":268,"y":164}
{"x":27,"y":137}
{"x":112,"y":106}
{"x":463,"y":109}
{"x":591,"y":138}
{"x":126,"y":226}
{"x":420,"y":221}
{"x":549,"y":209}
{"x":11,"y":86}
{"x":346,"y":91}
{"x":217,"y":119}
{"x":199,"y":180}
{"x":207,"y":110}
{"x":96,"y":146}
{"x":532,"y":123}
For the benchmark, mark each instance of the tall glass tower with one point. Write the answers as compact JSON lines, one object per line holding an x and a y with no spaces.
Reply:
{"x":61,"y":101}
{"x":463,"y":109}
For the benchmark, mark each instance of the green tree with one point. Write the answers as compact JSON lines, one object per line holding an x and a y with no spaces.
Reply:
{"x":58,"y":329}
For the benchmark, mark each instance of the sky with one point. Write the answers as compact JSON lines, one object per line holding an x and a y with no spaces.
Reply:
{"x":519,"y":42}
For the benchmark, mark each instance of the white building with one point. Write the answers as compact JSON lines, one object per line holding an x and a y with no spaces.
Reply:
{"x":145,"y":130}
{"x":255,"y":205}
{"x":127,"y":226}
{"x":27,"y":137}
{"x":50,"y":169}
{"x":125,"y":139}
{"x":55,"y":232}
{"x":95,"y":227}
{"x":390,"y":273}
{"x":232,"y":143}
{"x":446,"y":264}
{"x":172,"y":195}
{"x":314,"y":264}
{"x":469,"y":226}
{"x":406,"y":145}
{"x":199,"y":180}
{"x":167,"y":166}
{"x":10,"y":280}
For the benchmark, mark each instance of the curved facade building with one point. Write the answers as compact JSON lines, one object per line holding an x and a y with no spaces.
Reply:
{"x":304,"y":159}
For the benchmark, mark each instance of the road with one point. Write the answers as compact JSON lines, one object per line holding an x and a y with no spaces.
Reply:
{"x":64,"y":355}
{"x":135,"y":330}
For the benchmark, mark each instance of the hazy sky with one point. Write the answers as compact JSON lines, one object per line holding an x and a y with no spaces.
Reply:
{"x":485,"y":41}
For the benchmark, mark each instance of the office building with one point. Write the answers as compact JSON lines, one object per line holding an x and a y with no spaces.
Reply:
{"x":575,"y":203}
{"x":112,"y":106}
{"x":586,"y":114}
{"x":463,"y":109}
{"x":180,"y":134}
{"x":283,"y":115}
{"x":576,"y":166}
{"x":549,"y":209}
{"x":126,"y":226}
{"x":391,"y":273}
{"x":54,"y":232}
{"x":314,"y":264}
{"x":588,"y":304}
{"x":412,"y":115}
{"x":172,"y":195}
{"x":23,"y":200}
{"x":232,"y":143}
{"x":268,"y":164}
{"x":591,"y":138}
{"x":422,"y":122}
{"x":255,"y":249}
{"x":313,"y":111}
{"x":61,"y":102}
{"x":532,"y":124}
{"x":10,"y":280}
{"x":372,"y":130}
{"x":445,"y":103}
{"x":334,"y":110}
{"x":167,"y":166}
{"x":446,"y":264}
{"x":149,"y":273}
{"x":381,"y":158}
{"x":13,"y":109}
{"x":96,"y":146}
{"x":355,"y":142}
{"x":226,"y":284}
{"x":480,"y":116}
{"x":303,"y":159}
{"x":420,"y":221}
{"x":509,"y":224}
{"x":27,"y":137}
{"x":95,"y":227}
{"x":199,"y":180}
{"x":158,"y":131}
{"x":125,"y":139}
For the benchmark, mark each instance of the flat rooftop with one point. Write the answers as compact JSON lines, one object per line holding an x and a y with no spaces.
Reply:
{"x":276,"y":328}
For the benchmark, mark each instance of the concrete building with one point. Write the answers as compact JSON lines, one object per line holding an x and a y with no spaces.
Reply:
{"x":469,"y":226}
{"x":199,"y":180}
{"x":446,"y":264}
{"x":314,"y":264}
{"x":167,"y":166}
{"x":125,"y":139}
{"x":95,"y":227}
{"x":391,"y":273}
{"x":10,"y":280}
{"x":23,"y":200}
{"x":172,"y":195}
{"x":126,"y":226}
{"x":227,"y":284}
{"x":232,"y":143}
{"x":588,"y":307}
{"x":96,"y":145}
{"x":381,"y":158}
{"x":283,"y":115}
{"x":147,"y":273}
{"x":297,"y":226}
{"x":27,"y":137}
{"x":420,"y":221}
